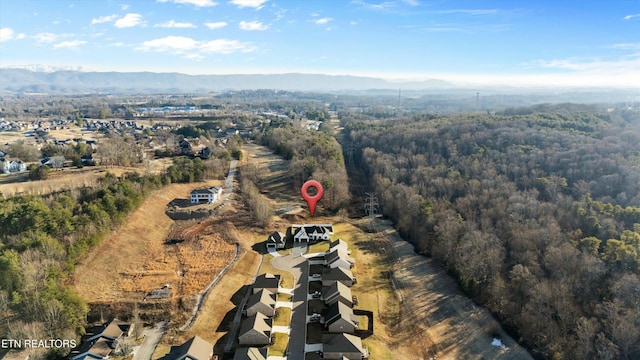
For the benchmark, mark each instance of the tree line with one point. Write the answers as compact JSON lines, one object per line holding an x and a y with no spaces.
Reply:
{"x":313,"y":155}
{"x":536,"y":214}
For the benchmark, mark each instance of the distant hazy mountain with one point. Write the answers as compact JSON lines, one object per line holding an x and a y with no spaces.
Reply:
{"x":27,"y":81}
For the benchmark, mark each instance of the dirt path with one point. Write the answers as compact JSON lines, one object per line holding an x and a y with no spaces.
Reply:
{"x":437,"y":320}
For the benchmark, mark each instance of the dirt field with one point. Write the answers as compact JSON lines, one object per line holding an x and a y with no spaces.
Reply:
{"x":135,"y":259}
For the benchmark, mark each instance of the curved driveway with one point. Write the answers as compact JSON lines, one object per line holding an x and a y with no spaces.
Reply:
{"x":299,"y":267}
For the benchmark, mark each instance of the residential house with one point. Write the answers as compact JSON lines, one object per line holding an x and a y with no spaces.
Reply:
{"x":255,"y":330}
{"x":208,"y":196}
{"x":337,"y":292}
{"x":337,"y":257}
{"x":204,"y":153}
{"x":54,"y":162}
{"x":339,"y":244}
{"x":276,"y":240}
{"x":113,"y":330}
{"x":266,"y":281}
{"x":87,"y":160}
{"x":263,"y":301}
{"x":311,"y":232}
{"x":12,"y":166}
{"x":102,"y":340}
{"x":195,"y":348}
{"x":343,"y":346}
{"x":339,"y":318}
{"x":185,"y":147}
{"x":98,"y":349}
{"x":251,"y":353}
{"x":340,"y":274}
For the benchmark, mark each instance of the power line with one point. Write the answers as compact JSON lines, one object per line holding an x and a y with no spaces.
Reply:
{"x":371,"y":208}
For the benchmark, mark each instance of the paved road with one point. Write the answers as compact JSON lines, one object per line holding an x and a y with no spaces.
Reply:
{"x":151,"y":339}
{"x":299,"y":267}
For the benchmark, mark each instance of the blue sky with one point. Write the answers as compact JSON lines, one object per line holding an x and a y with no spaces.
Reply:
{"x":562,"y":42}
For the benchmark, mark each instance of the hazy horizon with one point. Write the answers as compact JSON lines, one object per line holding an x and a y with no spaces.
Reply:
{"x":576,"y":44}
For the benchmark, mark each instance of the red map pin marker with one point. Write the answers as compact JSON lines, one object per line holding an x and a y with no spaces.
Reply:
{"x":312,"y":200}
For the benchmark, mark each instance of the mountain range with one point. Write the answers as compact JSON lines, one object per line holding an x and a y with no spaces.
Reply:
{"x":73,"y":82}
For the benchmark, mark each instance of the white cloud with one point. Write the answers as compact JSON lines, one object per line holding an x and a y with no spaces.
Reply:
{"x":104,"y":19}
{"x":130,"y":20}
{"x":196,"y":3}
{"x":193,"y":48}
{"x":629,"y":17}
{"x":411,"y":2}
{"x":353,"y":23}
{"x":626,"y":46}
{"x":175,"y":24}
{"x":124,"y":7}
{"x":472,"y":12}
{"x":224,"y":46}
{"x":256,"y":4}
{"x":380,"y":6}
{"x":624,"y":70}
{"x":216,"y":25}
{"x":73,"y":44}
{"x":252,"y":26}
{"x":323,"y":21}
{"x":45,"y":38}
{"x":6,"y":34}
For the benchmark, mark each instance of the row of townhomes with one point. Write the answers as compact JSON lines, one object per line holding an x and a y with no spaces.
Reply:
{"x":329,"y":287}
{"x":339,"y":321}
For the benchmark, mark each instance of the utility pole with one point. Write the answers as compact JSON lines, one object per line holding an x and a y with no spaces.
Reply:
{"x":371,"y":208}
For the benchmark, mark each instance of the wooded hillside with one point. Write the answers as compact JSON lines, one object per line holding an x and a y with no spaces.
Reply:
{"x":537,"y":215}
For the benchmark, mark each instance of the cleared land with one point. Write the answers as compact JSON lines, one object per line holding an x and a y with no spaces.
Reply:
{"x":137,"y":258}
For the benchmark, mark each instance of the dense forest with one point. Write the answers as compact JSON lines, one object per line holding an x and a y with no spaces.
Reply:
{"x":536,"y":213}
{"x":42,"y":238}
{"x":313,"y":154}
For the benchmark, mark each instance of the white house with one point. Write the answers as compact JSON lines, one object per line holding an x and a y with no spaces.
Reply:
{"x":311,"y":232}
{"x":209,"y":195}
{"x":12,"y":166}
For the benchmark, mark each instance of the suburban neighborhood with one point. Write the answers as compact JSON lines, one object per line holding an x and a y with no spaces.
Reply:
{"x":332,"y":328}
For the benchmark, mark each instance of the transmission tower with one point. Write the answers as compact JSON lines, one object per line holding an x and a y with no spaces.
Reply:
{"x":351,"y":148}
{"x":371,"y":208}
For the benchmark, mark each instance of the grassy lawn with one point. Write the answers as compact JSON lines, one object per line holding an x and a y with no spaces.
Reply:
{"x":161,"y":351}
{"x":314,"y":333}
{"x":279,"y":347}
{"x":284,"y":297}
{"x":285,"y":276}
{"x":321,"y":246}
{"x":363,"y":322}
{"x":283,"y":317}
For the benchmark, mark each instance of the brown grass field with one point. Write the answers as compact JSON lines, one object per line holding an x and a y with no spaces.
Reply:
{"x":135,"y":259}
